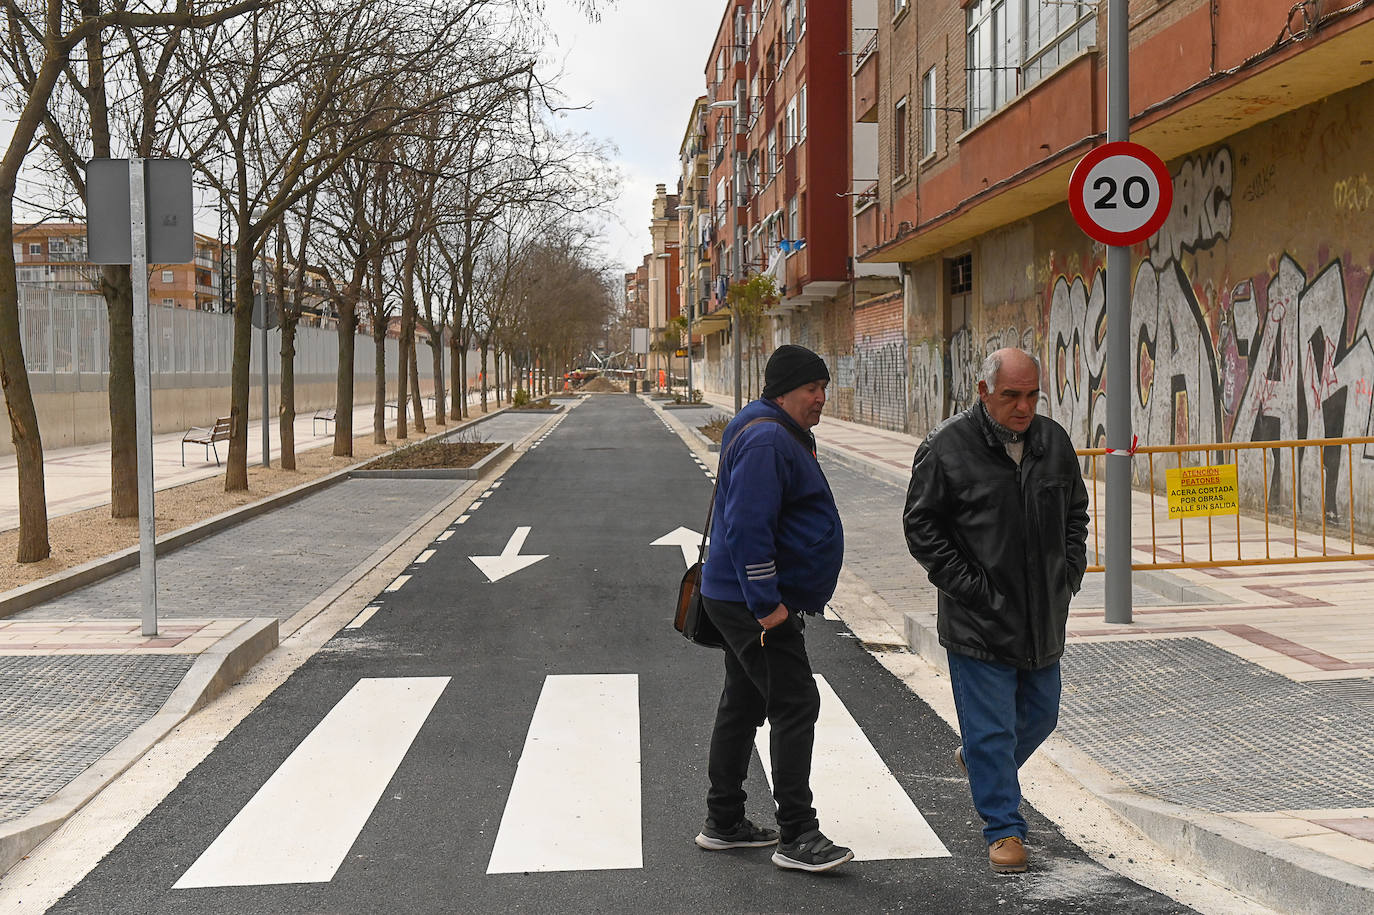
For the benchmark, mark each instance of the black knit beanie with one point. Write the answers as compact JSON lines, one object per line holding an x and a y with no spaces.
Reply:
{"x":790,"y":367}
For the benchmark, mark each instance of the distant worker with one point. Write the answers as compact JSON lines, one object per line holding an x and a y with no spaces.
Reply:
{"x":776,"y":549}
{"x":662,"y":378}
{"x":997,"y":513}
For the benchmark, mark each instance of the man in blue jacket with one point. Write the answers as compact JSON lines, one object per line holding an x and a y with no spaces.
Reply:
{"x":776,"y":550}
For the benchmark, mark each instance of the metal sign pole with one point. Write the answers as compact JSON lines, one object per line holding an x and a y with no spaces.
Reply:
{"x":1118,"y":558}
{"x":143,"y":407}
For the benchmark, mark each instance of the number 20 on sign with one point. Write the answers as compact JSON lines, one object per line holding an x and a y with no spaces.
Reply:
{"x":1120,"y":193}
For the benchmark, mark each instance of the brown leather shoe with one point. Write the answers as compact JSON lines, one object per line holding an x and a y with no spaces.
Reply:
{"x":1007,"y":855}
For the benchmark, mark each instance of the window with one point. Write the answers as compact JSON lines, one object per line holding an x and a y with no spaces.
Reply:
{"x":169,"y":301}
{"x":961,"y":274}
{"x":928,"y":113}
{"x":36,"y":249}
{"x":897,"y":7}
{"x":1013,"y":44}
{"x":992,"y":56}
{"x":18,"y":252}
{"x":1054,"y":34}
{"x":801,"y":113}
{"x":168,"y":276}
{"x":791,"y":128}
{"x":899,"y":139}
{"x":790,"y":28}
{"x":772,"y":162}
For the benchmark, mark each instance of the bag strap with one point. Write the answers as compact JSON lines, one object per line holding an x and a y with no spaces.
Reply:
{"x":711,"y":507}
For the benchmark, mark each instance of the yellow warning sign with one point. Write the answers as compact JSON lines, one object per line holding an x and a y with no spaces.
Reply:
{"x":1202,"y":491}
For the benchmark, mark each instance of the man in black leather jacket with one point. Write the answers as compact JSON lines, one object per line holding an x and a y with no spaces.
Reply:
{"x":997,"y":513}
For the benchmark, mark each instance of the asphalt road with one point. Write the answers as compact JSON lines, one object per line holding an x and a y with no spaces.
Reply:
{"x":537,"y":743}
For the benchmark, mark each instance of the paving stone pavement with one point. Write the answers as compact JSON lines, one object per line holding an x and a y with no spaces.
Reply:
{"x":292,"y":556}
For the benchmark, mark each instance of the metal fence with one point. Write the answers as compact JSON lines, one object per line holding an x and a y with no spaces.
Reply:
{"x":1298,"y":501}
{"x":66,"y":336}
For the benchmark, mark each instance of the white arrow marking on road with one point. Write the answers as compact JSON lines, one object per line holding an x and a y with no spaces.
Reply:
{"x":684,"y":537}
{"x":498,"y":567}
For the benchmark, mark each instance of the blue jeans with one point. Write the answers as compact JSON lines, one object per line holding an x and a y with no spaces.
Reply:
{"x":1004,"y":714}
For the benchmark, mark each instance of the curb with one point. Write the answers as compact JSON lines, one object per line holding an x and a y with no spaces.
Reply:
{"x":45,"y":589}
{"x":213,"y":672}
{"x":1267,"y":869}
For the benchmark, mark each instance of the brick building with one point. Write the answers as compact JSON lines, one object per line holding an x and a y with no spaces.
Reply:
{"x":1251,"y":309}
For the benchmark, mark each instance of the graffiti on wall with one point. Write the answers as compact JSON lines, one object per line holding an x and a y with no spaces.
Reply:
{"x":1277,"y":356}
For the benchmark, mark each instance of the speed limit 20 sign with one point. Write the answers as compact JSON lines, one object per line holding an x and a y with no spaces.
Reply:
{"x":1120,"y":193}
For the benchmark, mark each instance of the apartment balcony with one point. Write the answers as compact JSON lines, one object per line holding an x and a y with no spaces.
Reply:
{"x":866,"y":80}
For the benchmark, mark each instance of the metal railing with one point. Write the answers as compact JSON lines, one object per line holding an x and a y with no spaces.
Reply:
{"x":1265,"y":515}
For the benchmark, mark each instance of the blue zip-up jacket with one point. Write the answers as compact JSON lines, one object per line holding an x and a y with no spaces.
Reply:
{"x":776,"y":535}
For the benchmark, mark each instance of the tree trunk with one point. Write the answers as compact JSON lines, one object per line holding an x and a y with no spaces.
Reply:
{"x":483,"y":375}
{"x":116,"y":283}
{"x":343,"y":388}
{"x":436,"y":355}
{"x":286,"y":420}
{"x":402,"y":384}
{"x":416,"y":398}
{"x":14,"y":379}
{"x":379,"y":403}
{"x":241,"y":366}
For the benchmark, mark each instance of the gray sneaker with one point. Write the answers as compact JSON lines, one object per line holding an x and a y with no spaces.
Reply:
{"x":812,"y":852}
{"x":743,"y":834}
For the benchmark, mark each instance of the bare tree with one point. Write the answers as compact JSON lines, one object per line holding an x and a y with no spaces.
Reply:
{"x":36,"y":53}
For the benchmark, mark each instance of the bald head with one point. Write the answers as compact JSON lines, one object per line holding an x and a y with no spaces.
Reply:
{"x":1010,"y":387}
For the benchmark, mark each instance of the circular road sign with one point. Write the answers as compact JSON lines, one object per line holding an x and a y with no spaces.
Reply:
{"x":1120,"y":193}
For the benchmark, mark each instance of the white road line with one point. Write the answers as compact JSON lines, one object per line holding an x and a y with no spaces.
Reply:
{"x":474,"y":506}
{"x":444,"y":536}
{"x":575,"y":801}
{"x":300,"y":825}
{"x":398,"y":583}
{"x":487,"y":494}
{"x":424,"y":557}
{"x":363,"y":617}
{"x":496,"y":485}
{"x":463,"y":519}
{"x":858,"y":800}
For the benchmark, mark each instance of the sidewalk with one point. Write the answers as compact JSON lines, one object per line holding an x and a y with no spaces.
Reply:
{"x":1232,"y":721}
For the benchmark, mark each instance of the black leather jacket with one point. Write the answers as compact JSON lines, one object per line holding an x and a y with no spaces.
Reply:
{"x":1005,"y":545}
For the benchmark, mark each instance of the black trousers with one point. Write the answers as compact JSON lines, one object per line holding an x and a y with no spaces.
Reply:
{"x":770,"y":681}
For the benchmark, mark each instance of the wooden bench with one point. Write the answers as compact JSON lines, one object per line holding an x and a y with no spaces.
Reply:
{"x":322,"y":416}
{"x":207,"y":436}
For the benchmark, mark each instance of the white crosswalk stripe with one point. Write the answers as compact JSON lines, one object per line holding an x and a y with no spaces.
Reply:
{"x":575,"y":800}
{"x":300,"y":825}
{"x":857,"y":799}
{"x":574,"y":803}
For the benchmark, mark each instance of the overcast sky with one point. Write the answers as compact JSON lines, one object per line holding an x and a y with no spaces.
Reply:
{"x":639,"y":69}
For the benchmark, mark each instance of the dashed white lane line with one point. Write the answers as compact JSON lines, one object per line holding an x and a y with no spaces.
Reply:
{"x":424,"y":557}
{"x":398,"y":583}
{"x":444,"y":536}
{"x":368,"y":612}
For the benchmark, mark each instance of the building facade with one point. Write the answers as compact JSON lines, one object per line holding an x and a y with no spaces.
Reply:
{"x":1251,"y":309}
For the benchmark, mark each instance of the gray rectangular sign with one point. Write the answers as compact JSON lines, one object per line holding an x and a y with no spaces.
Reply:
{"x":169,"y":213}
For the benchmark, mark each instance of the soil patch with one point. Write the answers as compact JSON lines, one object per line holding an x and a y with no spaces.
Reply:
{"x":599,"y":385}
{"x":435,"y":455}
{"x":541,"y":404}
{"x":715,"y":427}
